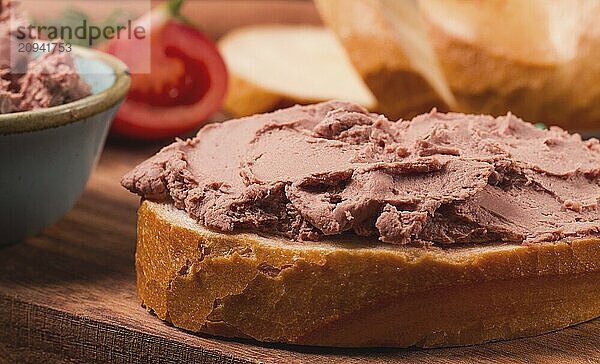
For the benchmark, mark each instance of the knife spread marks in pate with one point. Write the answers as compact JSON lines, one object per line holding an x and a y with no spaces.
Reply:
{"x":310,"y":171}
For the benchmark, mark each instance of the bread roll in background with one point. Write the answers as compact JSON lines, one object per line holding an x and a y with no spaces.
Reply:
{"x":538,"y":59}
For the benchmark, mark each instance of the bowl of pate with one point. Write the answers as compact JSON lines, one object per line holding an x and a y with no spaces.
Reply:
{"x":55,"y":112}
{"x":48,"y":153}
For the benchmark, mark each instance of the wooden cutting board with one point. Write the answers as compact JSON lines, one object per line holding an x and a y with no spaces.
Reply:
{"x":68,"y":295}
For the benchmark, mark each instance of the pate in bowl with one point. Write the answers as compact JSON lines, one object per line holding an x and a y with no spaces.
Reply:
{"x":47,"y":155}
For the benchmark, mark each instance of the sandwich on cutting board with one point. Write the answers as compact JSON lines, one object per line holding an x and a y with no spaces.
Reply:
{"x":537,"y":59}
{"x":329,"y":225}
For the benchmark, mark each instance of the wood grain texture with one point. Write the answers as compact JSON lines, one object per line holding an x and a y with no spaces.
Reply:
{"x":68,"y":295}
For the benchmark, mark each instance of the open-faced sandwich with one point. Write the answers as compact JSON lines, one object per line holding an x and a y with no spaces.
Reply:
{"x":329,"y":225}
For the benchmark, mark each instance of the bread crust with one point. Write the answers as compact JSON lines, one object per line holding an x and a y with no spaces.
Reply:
{"x":358,"y":294}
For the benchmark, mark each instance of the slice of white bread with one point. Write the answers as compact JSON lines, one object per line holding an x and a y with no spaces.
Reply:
{"x":274,"y":66}
{"x":355,"y":294}
{"x":538,"y":59}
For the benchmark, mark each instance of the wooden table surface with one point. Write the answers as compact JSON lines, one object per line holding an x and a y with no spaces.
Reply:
{"x":68,"y":295}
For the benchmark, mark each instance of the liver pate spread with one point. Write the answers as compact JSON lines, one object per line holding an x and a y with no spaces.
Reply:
{"x":27,"y":83}
{"x":325,"y":169}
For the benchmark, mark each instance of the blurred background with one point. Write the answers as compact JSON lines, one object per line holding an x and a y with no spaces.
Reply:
{"x":539,"y":59}
{"x":214,"y":17}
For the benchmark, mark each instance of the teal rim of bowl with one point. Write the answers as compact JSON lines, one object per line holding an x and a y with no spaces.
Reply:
{"x":38,"y":119}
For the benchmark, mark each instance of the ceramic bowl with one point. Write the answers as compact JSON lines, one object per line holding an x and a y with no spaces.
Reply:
{"x":47,"y":155}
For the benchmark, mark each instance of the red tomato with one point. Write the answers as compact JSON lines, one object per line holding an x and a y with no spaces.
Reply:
{"x":187,"y":82}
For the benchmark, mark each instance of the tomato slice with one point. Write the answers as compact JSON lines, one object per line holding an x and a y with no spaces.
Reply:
{"x":186,"y":84}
